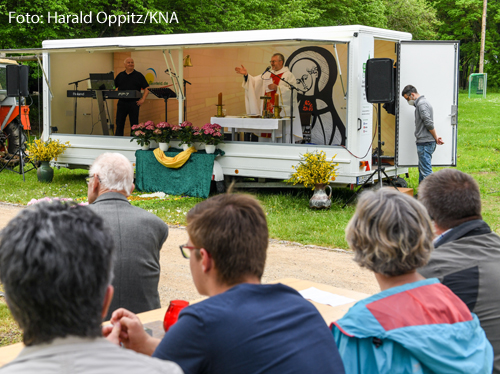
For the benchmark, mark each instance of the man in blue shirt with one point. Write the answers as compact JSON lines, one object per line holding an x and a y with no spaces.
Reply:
{"x":244,"y":326}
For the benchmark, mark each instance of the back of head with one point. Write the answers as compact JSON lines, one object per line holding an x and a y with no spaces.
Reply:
{"x":451,"y":198}
{"x":233,"y":229}
{"x":55,"y":265}
{"x":390,"y":233}
{"x":115,"y":172}
{"x":408,"y":90}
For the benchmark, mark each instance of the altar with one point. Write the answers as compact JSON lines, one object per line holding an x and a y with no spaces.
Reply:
{"x":279,"y":128}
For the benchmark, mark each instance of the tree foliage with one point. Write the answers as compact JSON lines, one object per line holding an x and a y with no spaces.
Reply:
{"x":425,"y":19}
{"x":417,"y":17}
{"x":461,"y":20}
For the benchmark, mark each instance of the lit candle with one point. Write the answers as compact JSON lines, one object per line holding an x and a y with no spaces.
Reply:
{"x":220,"y":99}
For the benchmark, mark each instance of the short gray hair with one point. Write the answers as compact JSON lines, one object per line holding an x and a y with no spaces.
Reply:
{"x":56,"y":262}
{"x":390,"y":233}
{"x":115,"y":172}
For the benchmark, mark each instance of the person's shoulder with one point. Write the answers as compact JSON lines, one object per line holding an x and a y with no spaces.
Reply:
{"x":136,"y":72}
{"x":246,"y":296}
{"x":128,"y":361}
{"x":106,"y":358}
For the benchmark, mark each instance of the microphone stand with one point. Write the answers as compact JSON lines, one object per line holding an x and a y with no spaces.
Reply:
{"x":292,"y":87}
{"x":172,"y":74}
{"x":76,"y":98}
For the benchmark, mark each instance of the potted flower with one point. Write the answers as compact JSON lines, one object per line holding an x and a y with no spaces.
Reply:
{"x":44,"y":152}
{"x":186,"y":134}
{"x":176,"y":131}
{"x":211,"y":135}
{"x":163,"y":134}
{"x":315,"y":171}
{"x":143,"y":133}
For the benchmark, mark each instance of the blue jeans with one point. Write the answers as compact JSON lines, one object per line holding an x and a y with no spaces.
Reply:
{"x":425,"y":151}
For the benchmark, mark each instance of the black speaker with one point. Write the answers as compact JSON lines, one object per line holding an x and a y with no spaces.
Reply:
{"x":17,"y":80}
{"x":379,"y":80}
{"x":12,"y":80}
{"x":24,"y":73}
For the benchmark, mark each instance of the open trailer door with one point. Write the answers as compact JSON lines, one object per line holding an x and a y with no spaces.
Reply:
{"x":432,"y":67}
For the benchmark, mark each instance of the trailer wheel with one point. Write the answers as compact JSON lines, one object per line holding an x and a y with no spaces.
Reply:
{"x":400,"y":182}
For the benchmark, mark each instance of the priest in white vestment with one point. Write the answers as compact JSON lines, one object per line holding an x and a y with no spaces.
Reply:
{"x":270,"y":84}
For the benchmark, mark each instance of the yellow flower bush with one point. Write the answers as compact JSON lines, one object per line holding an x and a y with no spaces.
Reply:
{"x":46,"y":151}
{"x":313,"y":169}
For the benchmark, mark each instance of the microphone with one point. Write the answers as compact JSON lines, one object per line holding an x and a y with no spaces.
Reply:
{"x":265,"y":71}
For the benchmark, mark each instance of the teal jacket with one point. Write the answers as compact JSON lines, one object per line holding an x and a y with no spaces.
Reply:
{"x":418,"y":328}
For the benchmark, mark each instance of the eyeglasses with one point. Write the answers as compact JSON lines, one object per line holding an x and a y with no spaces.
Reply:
{"x":185,"y":250}
{"x":90,"y":177}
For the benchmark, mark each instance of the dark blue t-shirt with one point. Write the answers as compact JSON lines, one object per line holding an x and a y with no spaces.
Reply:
{"x":252,"y":329}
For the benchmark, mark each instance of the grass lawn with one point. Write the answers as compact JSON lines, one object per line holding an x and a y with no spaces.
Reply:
{"x":288,"y":213}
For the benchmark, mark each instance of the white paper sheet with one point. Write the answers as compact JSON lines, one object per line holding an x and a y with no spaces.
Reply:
{"x":324,"y":297}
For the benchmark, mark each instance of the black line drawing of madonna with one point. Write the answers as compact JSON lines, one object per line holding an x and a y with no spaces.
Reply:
{"x":315,"y":69}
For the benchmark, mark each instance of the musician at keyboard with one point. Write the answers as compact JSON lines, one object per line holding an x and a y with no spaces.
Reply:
{"x":129,"y":79}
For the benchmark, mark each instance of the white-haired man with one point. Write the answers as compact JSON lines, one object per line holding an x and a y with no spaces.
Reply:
{"x":138,"y":235}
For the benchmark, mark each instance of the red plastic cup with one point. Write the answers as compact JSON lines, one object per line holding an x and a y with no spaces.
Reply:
{"x":173,"y":313}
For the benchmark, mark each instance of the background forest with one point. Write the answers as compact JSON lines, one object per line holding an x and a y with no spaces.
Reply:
{"x":425,"y":19}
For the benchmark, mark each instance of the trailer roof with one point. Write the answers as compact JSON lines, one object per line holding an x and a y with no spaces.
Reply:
{"x":320,"y":35}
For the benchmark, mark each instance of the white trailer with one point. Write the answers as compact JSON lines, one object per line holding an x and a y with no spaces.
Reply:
{"x":431,"y":66}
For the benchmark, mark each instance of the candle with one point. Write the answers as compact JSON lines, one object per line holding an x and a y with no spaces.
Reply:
{"x":276,"y":99}
{"x":219,"y":102}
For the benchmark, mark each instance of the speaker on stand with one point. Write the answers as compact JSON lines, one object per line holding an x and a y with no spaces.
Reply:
{"x":379,"y":88}
{"x":17,"y":86}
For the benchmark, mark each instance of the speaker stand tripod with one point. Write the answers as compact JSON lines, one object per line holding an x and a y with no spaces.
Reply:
{"x":380,"y":170}
{"x":19,"y":151}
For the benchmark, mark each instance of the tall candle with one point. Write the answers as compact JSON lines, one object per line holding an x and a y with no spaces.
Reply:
{"x":219,"y":102}
{"x":276,"y":99}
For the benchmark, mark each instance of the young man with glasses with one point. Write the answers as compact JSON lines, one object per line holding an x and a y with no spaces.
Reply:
{"x":244,"y":326}
{"x":138,"y":234}
{"x":425,"y":133}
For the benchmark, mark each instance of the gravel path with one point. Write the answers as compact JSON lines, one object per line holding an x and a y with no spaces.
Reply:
{"x":285,"y":260}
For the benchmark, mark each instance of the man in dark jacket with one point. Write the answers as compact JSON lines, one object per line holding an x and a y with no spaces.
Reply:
{"x":467,"y":252}
{"x":138,"y":235}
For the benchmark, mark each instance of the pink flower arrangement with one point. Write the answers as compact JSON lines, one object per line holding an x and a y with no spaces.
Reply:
{"x":163,"y":132}
{"x":211,"y":134}
{"x":186,"y":133}
{"x":143,"y":133}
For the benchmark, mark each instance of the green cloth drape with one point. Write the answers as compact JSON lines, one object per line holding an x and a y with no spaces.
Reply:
{"x":192,"y":179}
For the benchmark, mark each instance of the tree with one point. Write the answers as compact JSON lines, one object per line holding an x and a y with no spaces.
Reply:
{"x":417,"y":17}
{"x":461,"y":20}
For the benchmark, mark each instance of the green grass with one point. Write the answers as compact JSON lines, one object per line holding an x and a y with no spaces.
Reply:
{"x":288,"y":213}
{"x":287,"y":210}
